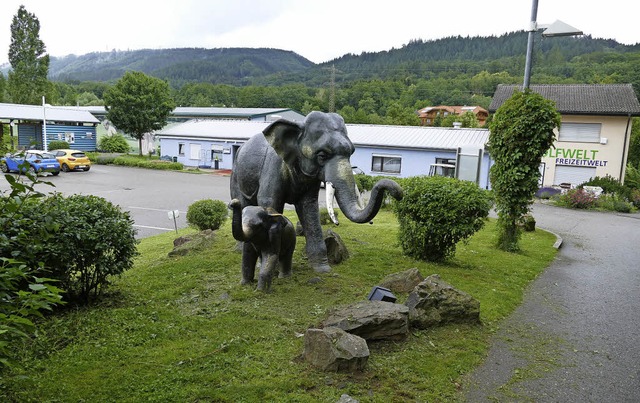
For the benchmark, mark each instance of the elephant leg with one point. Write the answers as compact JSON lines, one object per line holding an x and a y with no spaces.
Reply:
{"x":249,"y":259}
{"x":309,"y":216}
{"x":267,"y":268}
{"x":286,"y":259}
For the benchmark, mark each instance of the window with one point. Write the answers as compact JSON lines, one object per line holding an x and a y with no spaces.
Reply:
{"x":580,"y":132}
{"x":181,"y":149}
{"x":194,"y":151}
{"x":443,"y":167}
{"x":70,"y":138}
{"x":386,"y":163}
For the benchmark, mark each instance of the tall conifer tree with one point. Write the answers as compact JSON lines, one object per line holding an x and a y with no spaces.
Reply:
{"x":27,"y":81}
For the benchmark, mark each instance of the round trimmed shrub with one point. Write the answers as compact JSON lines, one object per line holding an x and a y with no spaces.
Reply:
{"x":57,"y":145}
{"x":114,"y":144}
{"x":207,"y":214}
{"x":81,"y":240}
{"x":436,"y":213}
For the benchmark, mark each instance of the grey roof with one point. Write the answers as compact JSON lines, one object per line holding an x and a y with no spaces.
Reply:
{"x":213,"y":129}
{"x":205,"y":112}
{"x":226,"y":112}
{"x":412,"y":137}
{"x":580,"y":99}
{"x":53,"y":113}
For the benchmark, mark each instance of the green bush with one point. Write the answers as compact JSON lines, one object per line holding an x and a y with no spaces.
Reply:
{"x":436,"y":213}
{"x":207,"y":214}
{"x":609,"y":185}
{"x":114,"y":144}
{"x":145,"y":162}
{"x":24,"y":291}
{"x":83,"y":240}
{"x":58,"y":145}
{"x":578,"y":198}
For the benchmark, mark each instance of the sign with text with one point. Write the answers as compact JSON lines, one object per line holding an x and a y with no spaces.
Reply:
{"x":576,"y":157}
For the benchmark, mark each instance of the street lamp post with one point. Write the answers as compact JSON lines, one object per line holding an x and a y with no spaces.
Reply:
{"x":558,"y":28}
{"x":532,"y":31}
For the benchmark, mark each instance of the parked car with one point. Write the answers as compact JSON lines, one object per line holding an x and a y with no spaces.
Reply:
{"x":71,"y":160}
{"x":38,"y":162}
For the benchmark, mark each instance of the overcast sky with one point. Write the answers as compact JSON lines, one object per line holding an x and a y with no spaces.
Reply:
{"x":317,"y":30}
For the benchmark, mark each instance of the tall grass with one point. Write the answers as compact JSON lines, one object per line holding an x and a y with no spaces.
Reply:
{"x":184,"y":329}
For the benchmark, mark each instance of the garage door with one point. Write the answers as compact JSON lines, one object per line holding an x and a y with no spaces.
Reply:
{"x":573,"y":175}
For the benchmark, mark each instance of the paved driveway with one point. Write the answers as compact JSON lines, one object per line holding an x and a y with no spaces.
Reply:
{"x":576,"y":337}
{"x":148,"y":194}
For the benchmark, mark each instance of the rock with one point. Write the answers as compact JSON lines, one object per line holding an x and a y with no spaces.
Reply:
{"x":333,"y":349}
{"x":336,"y":249}
{"x":372,"y":320}
{"x":195,"y":242}
{"x":404,"y":281}
{"x":434,"y":302}
{"x":347,"y":399}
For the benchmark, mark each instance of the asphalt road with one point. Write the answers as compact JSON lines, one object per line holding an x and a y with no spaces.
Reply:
{"x":576,"y":337}
{"x":149,"y":195}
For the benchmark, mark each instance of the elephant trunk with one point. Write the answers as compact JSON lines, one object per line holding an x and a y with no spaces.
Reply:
{"x":339,"y":173}
{"x":236,"y":220}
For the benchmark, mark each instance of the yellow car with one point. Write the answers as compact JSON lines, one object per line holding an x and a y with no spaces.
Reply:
{"x":71,"y":160}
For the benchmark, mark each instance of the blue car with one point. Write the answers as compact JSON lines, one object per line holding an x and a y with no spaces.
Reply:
{"x":38,"y":162}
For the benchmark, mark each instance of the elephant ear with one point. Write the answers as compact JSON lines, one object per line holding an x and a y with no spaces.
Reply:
{"x":282,"y":135}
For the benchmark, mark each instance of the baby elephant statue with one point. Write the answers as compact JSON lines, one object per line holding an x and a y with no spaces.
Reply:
{"x":272,"y":236}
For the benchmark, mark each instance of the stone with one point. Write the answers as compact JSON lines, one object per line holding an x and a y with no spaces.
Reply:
{"x":434,"y":302}
{"x":333,"y":349}
{"x":190,"y":243}
{"x":336,"y":249}
{"x":404,"y":281}
{"x":347,"y":399}
{"x":372,"y":320}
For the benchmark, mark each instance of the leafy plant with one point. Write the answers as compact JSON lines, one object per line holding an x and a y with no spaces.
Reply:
{"x":436,"y":213}
{"x":24,"y":292}
{"x":521,"y":132}
{"x":94,"y":240}
{"x":57,"y":145}
{"x":609,"y":185}
{"x":578,"y":198}
{"x":207,"y":214}
{"x":115,"y":143}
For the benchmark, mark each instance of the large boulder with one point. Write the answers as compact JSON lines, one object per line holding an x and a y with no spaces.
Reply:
{"x":372,"y":320}
{"x":404,"y":281}
{"x":434,"y":302}
{"x":333,"y":349}
{"x":336,"y":249}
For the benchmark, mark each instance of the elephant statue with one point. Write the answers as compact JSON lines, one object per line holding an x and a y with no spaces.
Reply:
{"x":270,"y":234}
{"x":286,"y":164}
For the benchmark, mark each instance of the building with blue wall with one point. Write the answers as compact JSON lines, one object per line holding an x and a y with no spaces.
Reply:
{"x":29,"y":123}
{"x":400,"y":151}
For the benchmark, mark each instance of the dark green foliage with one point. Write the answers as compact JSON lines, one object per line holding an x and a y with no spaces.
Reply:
{"x":609,"y":185}
{"x":24,"y":290}
{"x":58,"y":145}
{"x":138,"y":104}
{"x":207,"y":214}
{"x":88,"y":240}
{"x":436,"y":213}
{"x":30,"y":65}
{"x":114,"y":144}
{"x":520,"y":133}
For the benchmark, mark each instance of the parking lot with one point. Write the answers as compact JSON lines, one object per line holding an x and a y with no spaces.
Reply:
{"x":149,"y":195}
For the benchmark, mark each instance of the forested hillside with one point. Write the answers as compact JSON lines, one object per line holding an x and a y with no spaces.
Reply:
{"x":230,"y":66}
{"x":381,"y":88}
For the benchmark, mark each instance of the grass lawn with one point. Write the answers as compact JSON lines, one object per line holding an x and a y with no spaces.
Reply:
{"x":184,"y":329}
